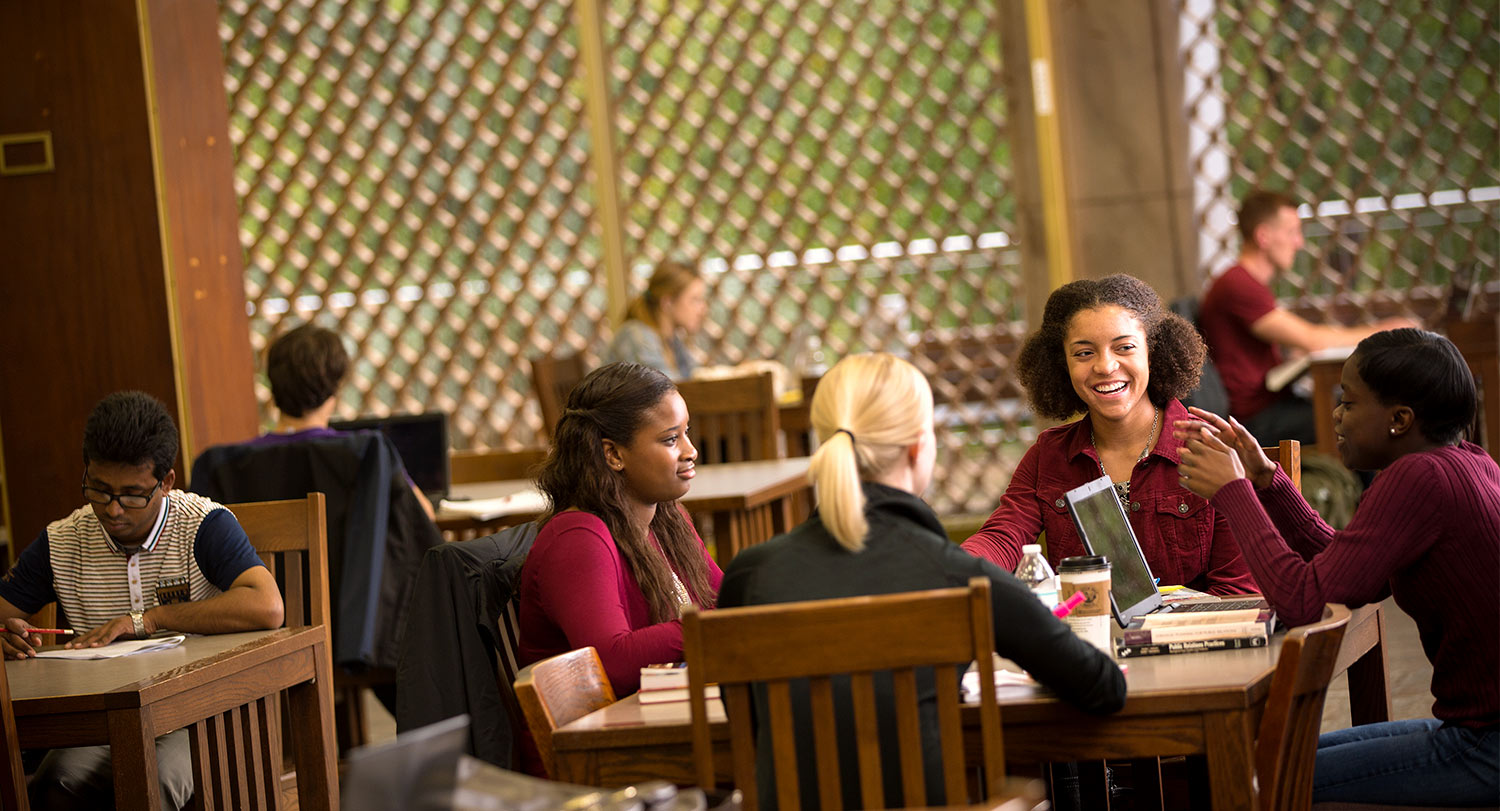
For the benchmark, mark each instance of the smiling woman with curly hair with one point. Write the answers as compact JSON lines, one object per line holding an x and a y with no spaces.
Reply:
{"x":1108,"y":349}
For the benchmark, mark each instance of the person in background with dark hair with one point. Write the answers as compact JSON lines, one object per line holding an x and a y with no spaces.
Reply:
{"x":1107,"y":348}
{"x":307,"y":366}
{"x":873,"y":534}
{"x":1246,"y":329}
{"x":195,"y":566}
{"x":671,"y":309}
{"x":616,"y":559}
{"x":1426,"y":532}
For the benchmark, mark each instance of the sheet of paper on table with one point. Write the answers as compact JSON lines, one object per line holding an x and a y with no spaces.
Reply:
{"x":127,"y":647}
{"x":525,"y":502}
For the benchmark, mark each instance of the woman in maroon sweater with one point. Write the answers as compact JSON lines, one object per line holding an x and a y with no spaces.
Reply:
{"x":617,"y":559}
{"x":1427,"y":531}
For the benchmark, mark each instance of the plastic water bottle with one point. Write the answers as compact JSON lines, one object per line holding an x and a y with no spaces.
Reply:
{"x":1037,"y":574}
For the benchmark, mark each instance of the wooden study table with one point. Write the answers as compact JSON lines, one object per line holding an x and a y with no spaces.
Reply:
{"x":1203,"y":703}
{"x":749,"y":502}
{"x":129,"y":701}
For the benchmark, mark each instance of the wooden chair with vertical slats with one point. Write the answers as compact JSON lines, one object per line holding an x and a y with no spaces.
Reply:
{"x":733,"y":420}
{"x":558,"y":691}
{"x":12,"y":774}
{"x":770,"y":646}
{"x":238,"y":756}
{"x":1287,"y":741}
{"x":553,"y":377}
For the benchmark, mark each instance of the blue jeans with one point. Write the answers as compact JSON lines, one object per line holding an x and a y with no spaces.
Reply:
{"x":1417,"y":762}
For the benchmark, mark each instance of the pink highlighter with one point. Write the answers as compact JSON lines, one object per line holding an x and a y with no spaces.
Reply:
{"x":1065,"y":608}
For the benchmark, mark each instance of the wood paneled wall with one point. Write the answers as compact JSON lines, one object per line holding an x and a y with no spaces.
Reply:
{"x":122,"y":267}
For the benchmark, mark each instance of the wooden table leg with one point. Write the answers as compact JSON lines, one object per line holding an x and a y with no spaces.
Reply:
{"x":312,"y":730}
{"x":132,"y":752}
{"x":1231,"y":760}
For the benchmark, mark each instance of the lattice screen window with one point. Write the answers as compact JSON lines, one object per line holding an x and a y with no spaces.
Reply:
{"x":1381,"y":115}
{"x":412,"y":174}
{"x":842,"y":168}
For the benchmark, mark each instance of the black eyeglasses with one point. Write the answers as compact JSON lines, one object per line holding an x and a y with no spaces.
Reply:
{"x":129,"y":501}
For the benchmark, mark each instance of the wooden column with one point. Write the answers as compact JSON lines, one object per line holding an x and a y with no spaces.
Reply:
{"x":1116,"y":82}
{"x":123,"y":264}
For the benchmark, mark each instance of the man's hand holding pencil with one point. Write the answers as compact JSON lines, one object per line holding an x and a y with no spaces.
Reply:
{"x":20,"y":640}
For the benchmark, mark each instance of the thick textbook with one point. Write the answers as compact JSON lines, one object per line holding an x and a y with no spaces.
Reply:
{"x":1192,"y":646}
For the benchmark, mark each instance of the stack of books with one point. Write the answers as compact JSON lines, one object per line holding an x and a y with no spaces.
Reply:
{"x":1193,"y":632}
{"x":661,"y":684}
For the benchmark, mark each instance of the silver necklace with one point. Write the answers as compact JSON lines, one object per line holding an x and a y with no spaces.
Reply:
{"x":1122,"y":489}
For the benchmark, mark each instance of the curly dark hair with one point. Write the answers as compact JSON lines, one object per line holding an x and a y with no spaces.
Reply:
{"x":1425,"y":372}
{"x":609,"y":403}
{"x":1173,"y":346}
{"x":306,"y":366}
{"x":131,"y":428}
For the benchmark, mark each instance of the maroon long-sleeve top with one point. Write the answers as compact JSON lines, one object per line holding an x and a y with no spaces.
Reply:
{"x":577,"y":591}
{"x":1427,"y":531}
{"x":1185,"y":541}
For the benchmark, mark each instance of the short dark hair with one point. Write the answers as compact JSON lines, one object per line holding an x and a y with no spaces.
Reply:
{"x":306,"y":366}
{"x":131,"y":428}
{"x":1174,"y":349}
{"x":1425,"y":372}
{"x":1257,"y":208}
{"x":611,"y":403}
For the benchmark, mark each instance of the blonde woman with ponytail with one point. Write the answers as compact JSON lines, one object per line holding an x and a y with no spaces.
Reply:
{"x":873,"y":534}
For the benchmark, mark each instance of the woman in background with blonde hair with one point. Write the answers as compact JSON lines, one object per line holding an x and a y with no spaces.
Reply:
{"x":671,"y":309}
{"x":872,"y":534}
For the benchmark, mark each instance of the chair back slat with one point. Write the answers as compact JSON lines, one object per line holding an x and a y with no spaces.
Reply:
{"x":867,"y":734}
{"x":1287,"y":741}
{"x":909,"y":733}
{"x":733,"y":420}
{"x":859,"y":637}
{"x":953,"y":740}
{"x":559,"y":690}
{"x":825,"y":741}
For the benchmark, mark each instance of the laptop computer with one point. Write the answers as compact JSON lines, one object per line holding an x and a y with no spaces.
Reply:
{"x":422,"y":442}
{"x":1105,"y":530}
{"x":416,"y":770}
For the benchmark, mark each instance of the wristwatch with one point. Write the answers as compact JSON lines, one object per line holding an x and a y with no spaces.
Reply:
{"x":139,"y":618}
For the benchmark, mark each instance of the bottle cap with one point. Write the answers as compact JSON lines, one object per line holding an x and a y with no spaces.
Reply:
{"x":1031,"y":549}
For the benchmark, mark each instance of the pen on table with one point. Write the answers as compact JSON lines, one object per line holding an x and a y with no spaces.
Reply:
{"x":1066,"y":607}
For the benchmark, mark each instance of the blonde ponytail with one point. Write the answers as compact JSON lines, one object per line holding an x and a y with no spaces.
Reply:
{"x":868,"y":409}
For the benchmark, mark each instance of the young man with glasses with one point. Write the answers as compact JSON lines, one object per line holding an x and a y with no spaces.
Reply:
{"x":137,"y":558}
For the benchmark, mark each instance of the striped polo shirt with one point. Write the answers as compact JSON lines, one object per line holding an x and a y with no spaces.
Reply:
{"x":89,"y":569}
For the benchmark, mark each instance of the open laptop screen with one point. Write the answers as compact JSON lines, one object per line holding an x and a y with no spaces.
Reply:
{"x":1106,"y":531}
{"x":422,"y":441}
